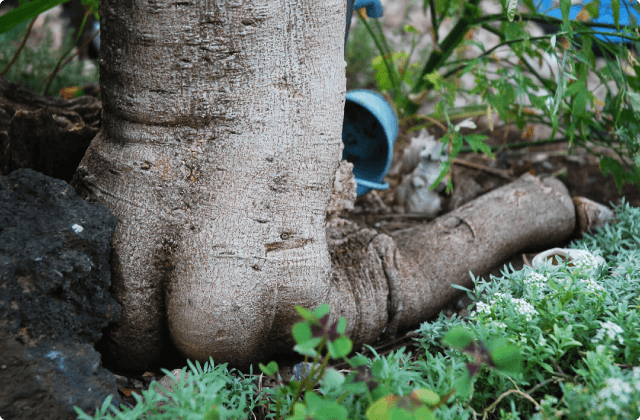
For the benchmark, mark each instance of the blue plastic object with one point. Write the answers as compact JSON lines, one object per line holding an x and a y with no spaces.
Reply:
{"x":374,"y":7}
{"x":369,"y":130}
{"x":606,"y":16}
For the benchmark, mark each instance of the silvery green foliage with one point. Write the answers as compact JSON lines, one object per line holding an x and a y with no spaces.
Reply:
{"x":577,"y":324}
{"x":577,"y":327}
{"x":211,"y":391}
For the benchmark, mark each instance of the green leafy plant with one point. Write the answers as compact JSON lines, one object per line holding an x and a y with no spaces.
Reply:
{"x":512,"y":85}
{"x":576,"y":327}
{"x":14,"y":60}
{"x":558,"y":341}
{"x":31,"y":9}
{"x":208,"y":392}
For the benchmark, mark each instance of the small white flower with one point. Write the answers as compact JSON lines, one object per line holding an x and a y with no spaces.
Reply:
{"x":611,"y":330}
{"x":524,"y":308}
{"x":616,"y":388}
{"x":77,"y":228}
{"x":483,"y":308}
{"x":636,"y":378}
{"x":592,"y":286}
{"x":549,"y":102}
{"x":535,"y":279}
{"x":468,"y":123}
{"x":542,"y":341}
{"x":523,"y":338}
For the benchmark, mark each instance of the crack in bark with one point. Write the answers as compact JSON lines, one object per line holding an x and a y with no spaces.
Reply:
{"x":288,"y":244}
{"x":387,"y":255}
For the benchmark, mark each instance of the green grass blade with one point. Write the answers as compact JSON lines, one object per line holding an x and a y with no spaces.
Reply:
{"x":26,"y":12}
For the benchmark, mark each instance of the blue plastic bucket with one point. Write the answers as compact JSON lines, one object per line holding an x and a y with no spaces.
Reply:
{"x":369,"y":131}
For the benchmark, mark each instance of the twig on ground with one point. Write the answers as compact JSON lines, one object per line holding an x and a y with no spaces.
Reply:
{"x":503,"y":173}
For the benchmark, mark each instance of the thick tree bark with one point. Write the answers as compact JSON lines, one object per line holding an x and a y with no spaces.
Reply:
{"x":220,"y":141}
{"x":382,"y":282}
{"x":221,"y":137}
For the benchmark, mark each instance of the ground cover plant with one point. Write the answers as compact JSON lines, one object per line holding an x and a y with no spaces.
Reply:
{"x":558,"y":341}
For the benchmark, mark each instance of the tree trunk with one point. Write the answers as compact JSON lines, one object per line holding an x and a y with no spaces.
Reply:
{"x":220,"y":141}
{"x":384,"y":283}
{"x":221,"y":136}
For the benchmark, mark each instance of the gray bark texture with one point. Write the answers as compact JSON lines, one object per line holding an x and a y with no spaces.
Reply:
{"x":221,"y":136}
{"x":219,"y":147}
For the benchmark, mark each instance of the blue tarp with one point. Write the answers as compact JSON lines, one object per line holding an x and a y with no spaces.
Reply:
{"x":628,"y":16}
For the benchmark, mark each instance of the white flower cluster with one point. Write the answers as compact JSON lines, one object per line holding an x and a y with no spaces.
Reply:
{"x":521,"y":306}
{"x":537,"y":282}
{"x":535,"y":278}
{"x":499,"y":325}
{"x":592,"y":286}
{"x":612,"y":331}
{"x":483,"y":308}
{"x":524,"y":308}
{"x":586,"y":261}
{"x":618,"y":392}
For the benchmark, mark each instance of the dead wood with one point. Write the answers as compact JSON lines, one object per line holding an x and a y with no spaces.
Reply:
{"x":45,"y":133}
{"x":591,"y":215}
{"x":396,"y":282}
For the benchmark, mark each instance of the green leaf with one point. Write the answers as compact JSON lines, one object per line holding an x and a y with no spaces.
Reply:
{"x":26,"y":11}
{"x":270,"y":369}
{"x":342,"y":325}
{"x":299,"y":412}
{"x":609,"y":165}
{"x":332,"y":412}
{"x":321,"y":408}
{"x":306,"y":314}
{"x":333,"y":378}
{"x":359,"y":388}
{"x":411,"y":29}
{"x":442,"y":6}
{"x":301,"y":332}
{"x":507,"y":358}
{"x":358,"y":360}
{"x":546,"y":367}
{"x":427,"y":396}
{"x":341,"y":347}
{"x":634,"y":100}
{"x":530,"y":5}
{"x":634,"y":81}
{"x":462,"y":385}
{"x":308,"y":348}
{"x":579,"y":105}
{"x":212,"y":413}
{"x":565,"y":5}
{"x":615,"y":8}
{"x":593,"y":9}
{"x":478,"y":142}
{"x":380,"y":368}
{"x":321,"y":310}
{"x":511,"y":9}
{"x":458,"y":337}
{"x":381,"y":409}
{"x":383,"y":79}
{"x":435,"y":79}
{"x":443,"y":172}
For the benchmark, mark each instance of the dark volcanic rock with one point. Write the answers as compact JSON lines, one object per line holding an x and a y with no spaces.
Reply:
{"x":54,"y":275}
